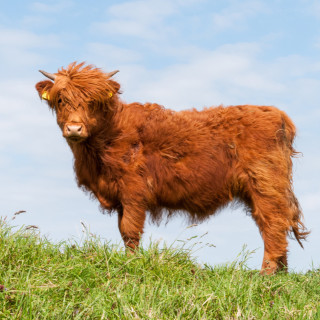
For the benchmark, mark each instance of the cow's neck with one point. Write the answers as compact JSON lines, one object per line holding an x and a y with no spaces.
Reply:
{"x":88,"y":156}
{"x":86,"y":164}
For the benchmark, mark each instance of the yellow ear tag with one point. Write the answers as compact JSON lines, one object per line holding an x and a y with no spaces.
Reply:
{"x":110,"y":94}
{"x":45,"y":95}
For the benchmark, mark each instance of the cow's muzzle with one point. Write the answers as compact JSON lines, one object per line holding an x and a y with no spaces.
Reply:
{"x":75,"y":132}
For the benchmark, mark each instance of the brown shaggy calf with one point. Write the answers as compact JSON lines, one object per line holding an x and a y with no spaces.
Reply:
{"x":137,"y":157}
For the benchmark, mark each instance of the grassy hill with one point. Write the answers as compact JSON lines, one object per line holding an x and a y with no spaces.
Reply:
{"x":42,"y":280}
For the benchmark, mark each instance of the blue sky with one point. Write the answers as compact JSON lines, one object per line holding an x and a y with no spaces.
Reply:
{"x":181,"y":54}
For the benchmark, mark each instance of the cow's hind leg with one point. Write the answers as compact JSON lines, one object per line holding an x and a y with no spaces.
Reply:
{"x":270,"y":216}
{"x":270,"y":199}
{"x":277,"y":212}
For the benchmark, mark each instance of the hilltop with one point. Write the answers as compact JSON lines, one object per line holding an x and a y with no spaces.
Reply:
{"x":95,"y":280}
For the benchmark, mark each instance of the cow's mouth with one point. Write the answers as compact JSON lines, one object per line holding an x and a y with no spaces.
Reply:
{"x":75,"y":139}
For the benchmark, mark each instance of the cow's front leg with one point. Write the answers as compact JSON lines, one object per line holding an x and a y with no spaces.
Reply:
{"x":131,"y":222}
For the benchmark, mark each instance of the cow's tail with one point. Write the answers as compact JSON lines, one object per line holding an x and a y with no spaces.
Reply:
{"x":298,"y":229}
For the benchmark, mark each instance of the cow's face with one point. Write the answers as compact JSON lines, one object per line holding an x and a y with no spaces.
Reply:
{"x":76,"y":119}
{"x":81,"y":107}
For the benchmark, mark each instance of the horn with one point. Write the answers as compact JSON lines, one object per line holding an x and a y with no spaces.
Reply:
{"x":110,"y":74}
{"x":48,"y":75}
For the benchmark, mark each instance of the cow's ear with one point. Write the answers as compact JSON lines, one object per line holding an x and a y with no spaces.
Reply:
{"x":43,"y":88}
{"x":115,"y":86}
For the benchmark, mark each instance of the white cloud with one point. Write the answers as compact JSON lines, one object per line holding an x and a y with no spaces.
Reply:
{"x":103,"y":54}
{"x":142,"y":19}
{"x":236,"y":14}
{"x":311,"y":201}
{"x":53,"y":7}
{"x":230,"y":74}
{"x":20,"y":48}
{"x":38,"y":21}
{"x":142,"y":10}
{"x":25,"y":122}
{"x":312,"y":7}
{"x":294,"y":65}
{"x":25,"y":39}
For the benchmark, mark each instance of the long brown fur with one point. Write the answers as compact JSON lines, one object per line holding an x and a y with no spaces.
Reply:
{"x":140,"y":158}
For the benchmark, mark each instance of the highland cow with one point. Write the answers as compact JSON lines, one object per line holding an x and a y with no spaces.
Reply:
{"x":138,"y":158}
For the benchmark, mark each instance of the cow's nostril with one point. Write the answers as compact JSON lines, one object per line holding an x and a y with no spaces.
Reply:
{"x":74,"y":129}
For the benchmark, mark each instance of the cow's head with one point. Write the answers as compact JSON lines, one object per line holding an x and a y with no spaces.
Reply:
{"x":82,"y":98}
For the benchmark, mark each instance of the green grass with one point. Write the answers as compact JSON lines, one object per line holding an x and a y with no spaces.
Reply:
{"x":42,"y":280}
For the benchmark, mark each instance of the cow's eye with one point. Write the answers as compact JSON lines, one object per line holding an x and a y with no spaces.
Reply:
{"x":58,"y":104}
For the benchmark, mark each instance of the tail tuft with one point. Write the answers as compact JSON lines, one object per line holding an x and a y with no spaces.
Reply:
{"x":298,"y":228}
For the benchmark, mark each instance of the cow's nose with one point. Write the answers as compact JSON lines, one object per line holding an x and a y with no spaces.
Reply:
{"x":74,"y":130}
